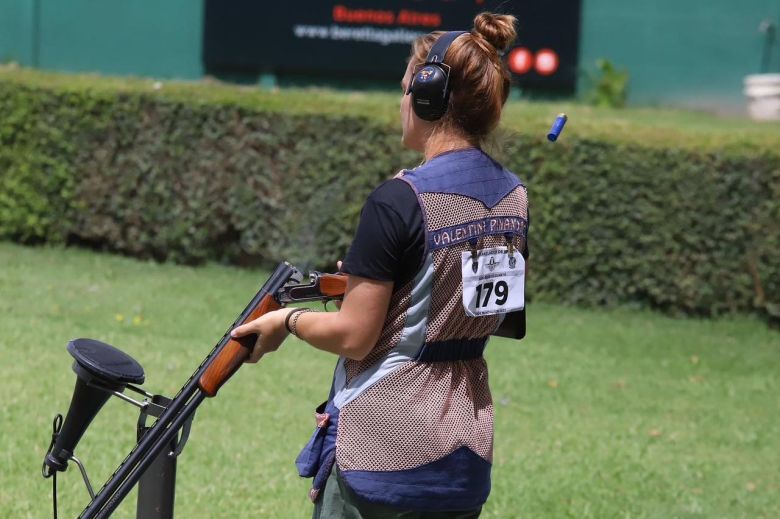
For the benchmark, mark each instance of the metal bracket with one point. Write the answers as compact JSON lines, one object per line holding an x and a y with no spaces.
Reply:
{"x":84,"y":475}
{"x":155,"y":408}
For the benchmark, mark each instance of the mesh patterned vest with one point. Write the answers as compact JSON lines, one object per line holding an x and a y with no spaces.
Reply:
{"x":411,"y":425}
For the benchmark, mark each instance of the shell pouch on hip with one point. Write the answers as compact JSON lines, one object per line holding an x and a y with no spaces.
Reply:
{"x":322,"y":442}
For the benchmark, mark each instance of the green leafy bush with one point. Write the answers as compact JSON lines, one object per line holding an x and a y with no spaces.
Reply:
{"x":666,"y":217}
{"x":680,"y":231}
{"x":608,"y":86}
{"x":36,"y":166}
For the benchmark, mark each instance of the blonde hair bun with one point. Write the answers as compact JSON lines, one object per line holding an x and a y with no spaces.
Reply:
{"x":496,"y":29}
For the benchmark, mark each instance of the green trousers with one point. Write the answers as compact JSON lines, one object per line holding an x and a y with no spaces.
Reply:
{"x":337,"y":501}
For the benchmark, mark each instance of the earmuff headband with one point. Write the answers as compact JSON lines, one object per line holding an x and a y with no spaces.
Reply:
{"x":439,"y":48}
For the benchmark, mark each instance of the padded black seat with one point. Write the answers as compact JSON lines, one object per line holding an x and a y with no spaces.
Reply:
{"x":100,"y":369}
{"x":105,"y":362}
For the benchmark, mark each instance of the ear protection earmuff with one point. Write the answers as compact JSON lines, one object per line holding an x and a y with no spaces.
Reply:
{"x":430,"y":84}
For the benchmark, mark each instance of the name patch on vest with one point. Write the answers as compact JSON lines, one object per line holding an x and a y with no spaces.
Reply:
{"x":447,"y":236}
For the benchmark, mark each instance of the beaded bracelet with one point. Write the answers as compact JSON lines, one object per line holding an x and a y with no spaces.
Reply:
{"x":292,"y":319}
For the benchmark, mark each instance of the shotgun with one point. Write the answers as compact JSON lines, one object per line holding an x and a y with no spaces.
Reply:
{"x":284,"y":286}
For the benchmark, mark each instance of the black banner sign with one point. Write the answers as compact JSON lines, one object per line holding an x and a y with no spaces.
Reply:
{"x":370,"y":39}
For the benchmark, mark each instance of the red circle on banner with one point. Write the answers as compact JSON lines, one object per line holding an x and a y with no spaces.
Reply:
{"x":546,"y":62}
{"x":520,"y":60}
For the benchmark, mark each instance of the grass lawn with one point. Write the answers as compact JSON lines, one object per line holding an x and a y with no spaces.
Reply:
{"x":598,"y":413}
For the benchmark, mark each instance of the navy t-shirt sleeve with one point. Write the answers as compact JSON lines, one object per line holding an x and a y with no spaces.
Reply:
{"x":389,"y":243}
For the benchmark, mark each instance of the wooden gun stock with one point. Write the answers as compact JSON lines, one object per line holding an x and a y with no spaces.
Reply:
{"x":333,"y":285}
{"x":234,"y":353}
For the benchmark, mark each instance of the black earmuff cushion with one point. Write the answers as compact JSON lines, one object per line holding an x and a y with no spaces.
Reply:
{"x":429,"y":92}
{"x":430,"y":84}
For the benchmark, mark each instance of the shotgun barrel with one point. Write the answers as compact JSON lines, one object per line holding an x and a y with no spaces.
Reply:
{"x":223,"y":361}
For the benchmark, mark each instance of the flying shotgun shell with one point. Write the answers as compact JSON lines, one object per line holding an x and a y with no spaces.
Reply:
{"x":557,"y":127}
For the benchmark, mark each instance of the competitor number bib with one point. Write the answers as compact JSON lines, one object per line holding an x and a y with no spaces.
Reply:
{"x":494,"y":283}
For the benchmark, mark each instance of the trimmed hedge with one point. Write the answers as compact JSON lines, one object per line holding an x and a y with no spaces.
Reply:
{"x":187,"y":183}
{"x":170,"y":175}
{"x":685,"y":232}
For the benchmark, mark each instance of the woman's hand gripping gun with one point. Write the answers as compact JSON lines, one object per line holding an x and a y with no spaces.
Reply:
{"x":321,"y":287}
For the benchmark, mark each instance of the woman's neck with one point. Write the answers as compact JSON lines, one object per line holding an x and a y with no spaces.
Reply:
{"x":439,"y":143}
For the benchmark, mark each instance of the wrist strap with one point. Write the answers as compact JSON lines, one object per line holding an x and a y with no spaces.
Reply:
{"x":292,"y":318}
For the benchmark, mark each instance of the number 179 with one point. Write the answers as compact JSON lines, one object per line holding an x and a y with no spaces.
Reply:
{"x":501,"y":289}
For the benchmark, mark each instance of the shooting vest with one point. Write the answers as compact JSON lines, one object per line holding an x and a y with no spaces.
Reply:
{"x":411,"y":425}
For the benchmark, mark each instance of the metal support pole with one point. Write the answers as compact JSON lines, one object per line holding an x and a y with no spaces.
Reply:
{"x":157,"y":485}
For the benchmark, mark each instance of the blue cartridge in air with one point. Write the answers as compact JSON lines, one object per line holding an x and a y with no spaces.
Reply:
{"x":557,"y":127}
